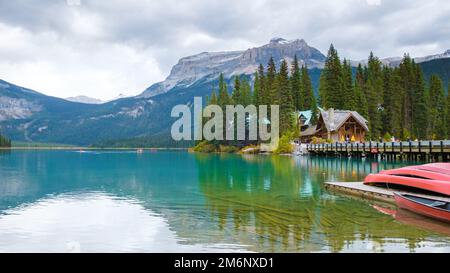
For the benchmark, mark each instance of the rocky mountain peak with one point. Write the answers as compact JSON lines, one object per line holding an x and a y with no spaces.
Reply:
{"x":278,"y":40}
{"x":207,"y":66}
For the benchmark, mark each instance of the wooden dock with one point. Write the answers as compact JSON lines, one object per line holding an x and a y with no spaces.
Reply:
{"x":411,"y":150}
{"x":371,"y":192}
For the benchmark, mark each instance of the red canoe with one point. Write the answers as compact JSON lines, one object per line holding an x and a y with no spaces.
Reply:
{"x":425,"y":206}
{"x":434,"y":177}
{"x":418,"y":173}
{"x":437,"y":186}
{"x":443,"y":168}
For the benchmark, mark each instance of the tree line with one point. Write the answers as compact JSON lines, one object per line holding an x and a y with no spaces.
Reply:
{"x":4,"y":142}
{"x":291,"y":91}
{"x":396,"y":101}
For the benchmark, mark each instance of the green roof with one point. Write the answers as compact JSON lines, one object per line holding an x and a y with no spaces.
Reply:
{"x":307,"y":115}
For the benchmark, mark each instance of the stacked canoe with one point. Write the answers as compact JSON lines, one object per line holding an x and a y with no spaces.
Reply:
{"x":433,"y":178}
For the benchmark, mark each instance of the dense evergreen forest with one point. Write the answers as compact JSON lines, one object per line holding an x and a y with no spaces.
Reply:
{"x":4,"y":142}
{"x":396,"y":101}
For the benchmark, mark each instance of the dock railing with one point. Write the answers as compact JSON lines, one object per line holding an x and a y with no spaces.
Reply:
{"x":413,"y":149}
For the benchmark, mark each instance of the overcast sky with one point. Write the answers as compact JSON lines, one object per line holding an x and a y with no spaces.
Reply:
{"x":103,"y":48}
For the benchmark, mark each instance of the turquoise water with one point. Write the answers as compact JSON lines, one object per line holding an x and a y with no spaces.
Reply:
{"x":110,"y":201}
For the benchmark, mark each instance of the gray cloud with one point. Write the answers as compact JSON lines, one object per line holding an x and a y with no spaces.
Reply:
{"x":102,"y":48}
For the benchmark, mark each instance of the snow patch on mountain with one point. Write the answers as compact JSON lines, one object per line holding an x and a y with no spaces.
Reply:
{"x":84,"y":99}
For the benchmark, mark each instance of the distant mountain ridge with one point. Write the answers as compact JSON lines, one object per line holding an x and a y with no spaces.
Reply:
{"x":395,"y":61}
{"x":207,"y":66}
{"x":27,"y":115}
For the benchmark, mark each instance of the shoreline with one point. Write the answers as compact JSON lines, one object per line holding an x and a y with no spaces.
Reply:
{"x":87,"y":148}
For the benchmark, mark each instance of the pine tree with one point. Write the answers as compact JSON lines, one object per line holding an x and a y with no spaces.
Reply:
{"x":374,"y":95}
{"x":407,"y":77}
{"x":359,"y":87}
{"x":236,"y":96}
{"x":272,"y":96}
{"x":263,"y":93}
{"x":420,"y":109}
{"x":296,"y":86}
{"x":331,"y":81}
{"x":392,"y":102}
{"x":256,"y":95}
{"x":309,"y":99}
{"x":213,"y":99}
{"x":447,"y":114}
{"x":348,"y":94}
{"x":322,"y":98}
{"x":4,"y":142}
{"x":246,"y":93}
{"x":284,"y":98}
{"x":223,"y":98}
{"x":437,"y":106}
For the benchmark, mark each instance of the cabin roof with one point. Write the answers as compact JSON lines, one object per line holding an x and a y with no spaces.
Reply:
{"x":307,"y":115}
{"x":334,"y":119}
{"x":310,"y":131}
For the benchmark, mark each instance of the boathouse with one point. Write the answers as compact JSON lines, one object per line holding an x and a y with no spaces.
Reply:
{"x":337,"y":125}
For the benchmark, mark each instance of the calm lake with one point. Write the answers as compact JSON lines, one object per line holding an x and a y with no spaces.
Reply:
{"x":118,"y":201}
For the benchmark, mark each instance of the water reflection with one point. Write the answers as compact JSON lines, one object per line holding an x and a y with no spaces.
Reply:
{"x":176,"y":201}
{"x":90,"y":222}
{"x":280,"y":201}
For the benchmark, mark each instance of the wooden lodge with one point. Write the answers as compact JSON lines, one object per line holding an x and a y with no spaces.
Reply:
{"x":336,"y":125}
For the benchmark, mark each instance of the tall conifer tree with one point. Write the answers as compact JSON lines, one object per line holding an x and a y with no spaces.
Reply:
{"x":296,"y":86}
{"x":309,"y":99}
{"x":236,"y":96}
{"x":331,"y":81}
{"x":437,"y":106}
{"x":348,"y":94}
{"x":420,"y":109}
{"x":284,"y":98}
{"x":447,"y":113}
{"x":392,"y":102}
{"x":223,"y":97}
{"x":374,"y":95}
{"x":263,"y":94}
{"x":272,"y":96}
{"x":359,"y":87}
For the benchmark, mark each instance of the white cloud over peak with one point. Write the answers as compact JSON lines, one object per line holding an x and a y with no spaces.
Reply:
{"x":103,"y":48}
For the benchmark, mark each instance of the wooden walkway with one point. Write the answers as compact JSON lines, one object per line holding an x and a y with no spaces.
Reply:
{"x":412,"y":150}
{"x":371,"y":192}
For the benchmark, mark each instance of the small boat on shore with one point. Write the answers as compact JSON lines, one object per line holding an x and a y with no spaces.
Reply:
{"x":425,"y":206}
{"x":433,"y":177}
